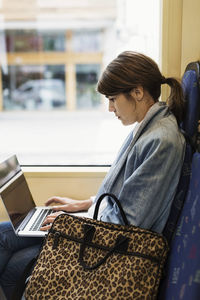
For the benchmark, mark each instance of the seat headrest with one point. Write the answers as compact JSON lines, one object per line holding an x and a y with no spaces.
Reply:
{"x":191,"y":89}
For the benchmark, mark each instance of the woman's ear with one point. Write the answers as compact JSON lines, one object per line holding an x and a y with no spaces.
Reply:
{"x":138,"y":93}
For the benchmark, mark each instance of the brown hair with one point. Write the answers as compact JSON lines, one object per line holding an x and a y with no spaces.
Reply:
{"x":131,"y":69}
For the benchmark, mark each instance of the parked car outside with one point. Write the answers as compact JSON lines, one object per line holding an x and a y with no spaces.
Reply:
{"x":40,"y":94}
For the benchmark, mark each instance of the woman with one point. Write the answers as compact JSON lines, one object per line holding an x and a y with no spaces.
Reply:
{"x":144,"y":175}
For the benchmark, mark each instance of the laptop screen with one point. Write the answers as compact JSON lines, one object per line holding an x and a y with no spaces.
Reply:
{"x":17,"y":197}
{"x":8,"y":169}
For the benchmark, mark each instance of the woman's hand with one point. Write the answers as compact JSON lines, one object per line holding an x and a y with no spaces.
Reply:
{"x":68,"y":204}
{"x":65,"y":205}
{"x":49,"y":220}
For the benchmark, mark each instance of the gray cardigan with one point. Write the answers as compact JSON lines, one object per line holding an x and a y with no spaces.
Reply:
{"x":146,"y":171}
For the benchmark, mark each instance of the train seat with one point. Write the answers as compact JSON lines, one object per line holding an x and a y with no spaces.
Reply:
{"x":182,"y":278}
{"x":190,"y":84}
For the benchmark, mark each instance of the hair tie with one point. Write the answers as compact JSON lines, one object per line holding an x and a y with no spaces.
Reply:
{"x":163,"y":80}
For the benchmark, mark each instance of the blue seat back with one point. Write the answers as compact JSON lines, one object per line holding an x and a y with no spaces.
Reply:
{"x":180,"y":196}
{"x":190,"y":84}
{"x":182,"y":280}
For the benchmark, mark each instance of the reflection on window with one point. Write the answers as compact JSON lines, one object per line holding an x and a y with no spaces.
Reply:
{"x":33,"y":40}
{"x":87,"y":41}
{"x":34,"y":87}
{"x":86,"y":79}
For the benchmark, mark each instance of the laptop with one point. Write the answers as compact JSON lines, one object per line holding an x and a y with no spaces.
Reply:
{"x":25,"y":217}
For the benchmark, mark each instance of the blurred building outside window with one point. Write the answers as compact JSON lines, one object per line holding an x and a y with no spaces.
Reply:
{"x":34,"y":87}
{"x":34,"y":40}
{"x":52,"y":54}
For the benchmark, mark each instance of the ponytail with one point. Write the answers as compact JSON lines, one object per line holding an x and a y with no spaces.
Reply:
{"x":175,"y":101}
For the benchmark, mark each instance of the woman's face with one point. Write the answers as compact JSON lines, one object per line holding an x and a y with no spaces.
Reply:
{"x":126,"y":110}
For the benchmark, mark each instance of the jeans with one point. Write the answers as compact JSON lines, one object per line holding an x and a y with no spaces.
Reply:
{"x":15,"y":253}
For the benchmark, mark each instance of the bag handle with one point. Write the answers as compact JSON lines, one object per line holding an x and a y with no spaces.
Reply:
{"x":121,"y":244}
{"x":96,"y":211}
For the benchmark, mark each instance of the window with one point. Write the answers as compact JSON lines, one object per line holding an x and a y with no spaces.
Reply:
{"x":34,"y":87}
{"x":87,"y":41}
{"x":52,"y":54}
{"x":86,"y":78}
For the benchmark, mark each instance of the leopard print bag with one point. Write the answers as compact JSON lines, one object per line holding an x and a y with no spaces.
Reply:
{"x":86,"y":259}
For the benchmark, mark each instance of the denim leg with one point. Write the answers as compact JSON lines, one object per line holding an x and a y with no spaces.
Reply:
{"x":15,"y":268}
{"x":10,"y":243}
{"x":15,"y":254}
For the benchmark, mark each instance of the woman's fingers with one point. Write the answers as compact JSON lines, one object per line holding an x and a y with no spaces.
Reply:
{"x":55,"y":199}
{"x":46,"y":225}
{"x":59,"y":200}
{"x":69,"y":205}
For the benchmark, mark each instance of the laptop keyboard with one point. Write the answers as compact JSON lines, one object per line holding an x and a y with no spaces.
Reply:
{"x":43,"y":214}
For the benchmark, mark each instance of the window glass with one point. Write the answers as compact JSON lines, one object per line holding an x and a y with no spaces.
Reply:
{"x":87,"y":41}
{"x":22,"y":41}
{"x":86,"y":79}
{"x":34,"y":40}
{"x":52,"y":40}
{"x":34,"y":87}
{"x":52,"y":53}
